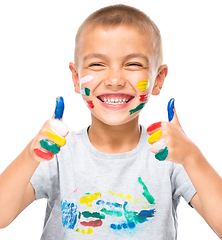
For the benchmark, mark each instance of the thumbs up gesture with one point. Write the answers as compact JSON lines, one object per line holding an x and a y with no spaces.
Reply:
{"x":168,"y":140}
{"x":52,"y":135}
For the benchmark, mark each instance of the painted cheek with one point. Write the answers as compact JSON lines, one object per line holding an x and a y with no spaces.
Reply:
{"x":144,"y":98}
{"x":139,"y":107}
{"x":154,"y":127}
{"x":85,"y":91}
{"x":89,"y":104}
{"x":86,"y":79}
{"x":143,"y":85}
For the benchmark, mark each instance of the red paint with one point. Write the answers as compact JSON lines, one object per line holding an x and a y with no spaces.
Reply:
{"x":144,"y":98}
{"x":154,"y":127}
{"x":90,"y":104}
{"x":42,"y":153}
{"x":96,"y":223}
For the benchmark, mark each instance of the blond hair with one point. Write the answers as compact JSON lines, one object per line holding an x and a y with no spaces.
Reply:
{"x":116,"y":15}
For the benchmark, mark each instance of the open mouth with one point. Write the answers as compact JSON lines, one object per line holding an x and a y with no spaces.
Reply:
{"x":115,"y":99}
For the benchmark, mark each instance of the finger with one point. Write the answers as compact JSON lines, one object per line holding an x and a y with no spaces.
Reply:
{"x":49,"y":146}
{"x":59,"y":109}
{"x":170,"y":109}
{"x":44,"y":154}
{"x":162,"y":155}
{"x":172,"y":115}
{"x":155,"y":136}
{"x":158,"y":146}
{"x":154,"y":127}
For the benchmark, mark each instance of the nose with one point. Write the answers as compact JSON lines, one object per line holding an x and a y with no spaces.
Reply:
{"x":115,"y":81}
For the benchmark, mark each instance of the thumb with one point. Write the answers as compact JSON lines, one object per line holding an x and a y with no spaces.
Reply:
{"x":56,"y":124}
{"x":59,"y":109}
{"x":172,"y":115}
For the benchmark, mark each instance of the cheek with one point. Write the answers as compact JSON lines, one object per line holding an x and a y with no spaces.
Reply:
{"x":85,"y":83}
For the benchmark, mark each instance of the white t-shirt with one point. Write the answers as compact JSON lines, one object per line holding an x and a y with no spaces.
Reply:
{"x":93,"y":195}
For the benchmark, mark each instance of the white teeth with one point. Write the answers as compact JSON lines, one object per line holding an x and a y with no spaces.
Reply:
{"x":114,"y":101}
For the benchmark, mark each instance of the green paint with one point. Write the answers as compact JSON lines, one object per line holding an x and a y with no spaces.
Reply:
{"x":85,"y":91}
{"x":162,"y":155}
{"x":139,"y":107}
{"x":112,"y":213}
{"x":131,"y":216}
{"x":146,"y":193}
{"x":49,"y":146}
{"x":88,"y":214}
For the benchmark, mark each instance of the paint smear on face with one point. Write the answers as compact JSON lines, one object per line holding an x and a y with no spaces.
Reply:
{"x":86,"y":79}
{"x":142,"y":85}
{"x":144,"y":98}
{"x":85,"y":91}
{"x":89,"y":104}
{"x":139,"y":107}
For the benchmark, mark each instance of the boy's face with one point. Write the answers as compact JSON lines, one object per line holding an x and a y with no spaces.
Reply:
{"x":115,"y":73}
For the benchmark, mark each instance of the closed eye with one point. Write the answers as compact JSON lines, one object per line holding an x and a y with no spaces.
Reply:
{"x":134,"y":66}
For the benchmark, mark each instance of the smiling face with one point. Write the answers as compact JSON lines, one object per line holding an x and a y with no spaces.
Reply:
{"x":116,"y":73}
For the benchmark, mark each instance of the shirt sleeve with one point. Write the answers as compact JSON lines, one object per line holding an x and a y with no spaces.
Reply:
{"x":45,"y":180}
{"x":181,"y":184}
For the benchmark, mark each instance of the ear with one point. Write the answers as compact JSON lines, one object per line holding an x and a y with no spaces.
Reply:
{"x":75,"y":77}
{"x":162,"y":73}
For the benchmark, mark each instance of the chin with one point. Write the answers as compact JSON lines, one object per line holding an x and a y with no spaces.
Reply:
{"x":117,"y":121}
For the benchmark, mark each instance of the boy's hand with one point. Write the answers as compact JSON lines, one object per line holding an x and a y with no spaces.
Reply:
{"x":169,"y":142}
{"x":51,"y":137}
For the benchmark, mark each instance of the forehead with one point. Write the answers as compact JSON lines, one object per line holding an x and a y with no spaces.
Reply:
{"x":120,"y":40}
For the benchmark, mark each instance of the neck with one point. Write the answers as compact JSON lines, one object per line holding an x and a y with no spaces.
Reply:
{"x":114,"y":139}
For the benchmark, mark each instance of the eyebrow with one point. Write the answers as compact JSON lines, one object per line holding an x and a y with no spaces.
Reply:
{"x":95,"y":55}
{"x":137,"y":55}
{"x":127,"y":57}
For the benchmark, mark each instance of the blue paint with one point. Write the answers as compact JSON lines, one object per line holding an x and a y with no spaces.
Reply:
{"x":131,"y":225}
{"x":115,"y":204}
{"x":100,"y":202}
{"x":170,"y":109}
{"x":69,"y":214}
{"x":144,"y":214}
{"x":113,"y":226}
{"x":59,"y":107}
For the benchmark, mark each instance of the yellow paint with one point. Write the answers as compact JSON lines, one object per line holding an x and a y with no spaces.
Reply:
{"x":128,"y":197}
{"x":83,"y":231}
{"x":120,"y":195}
{"x":111,"y":192}
{"x":142,"y":85}
{"x":60,"y":141}
{"x":89,"y":198}
{"x":77,"y":230}
{"x":89,"y":231}
{"x":154,"y":137}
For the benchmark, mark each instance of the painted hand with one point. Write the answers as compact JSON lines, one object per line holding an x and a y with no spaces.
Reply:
{"x":52,"y":135}
{"x":169,"y":142}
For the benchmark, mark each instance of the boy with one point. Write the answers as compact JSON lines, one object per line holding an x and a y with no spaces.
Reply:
{"x":105,"y":182}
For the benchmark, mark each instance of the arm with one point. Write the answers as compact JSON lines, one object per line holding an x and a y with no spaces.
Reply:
{"x":16,"y":190}
{"x":208,"y":184}
{"x":178,"y":148}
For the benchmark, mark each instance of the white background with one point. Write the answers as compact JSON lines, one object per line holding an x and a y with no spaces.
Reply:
{"x":36,"y":46}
